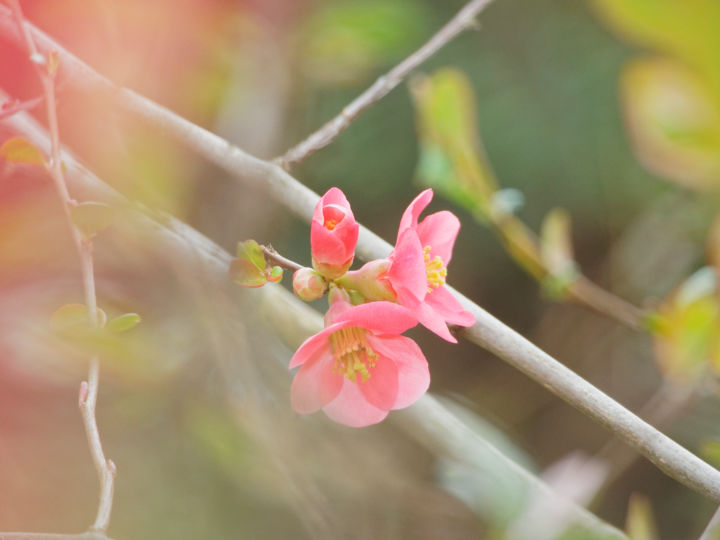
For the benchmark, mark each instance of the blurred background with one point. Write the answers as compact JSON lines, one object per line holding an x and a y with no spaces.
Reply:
{"x":603,"y":115}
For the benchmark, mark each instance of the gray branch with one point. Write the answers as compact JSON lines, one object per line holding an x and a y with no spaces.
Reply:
{"x":321,"y":138}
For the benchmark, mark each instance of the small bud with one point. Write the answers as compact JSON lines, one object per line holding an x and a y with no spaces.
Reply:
{"x":333,"y":235}
{"x":309,"y":285}
{"x":370,"y":281}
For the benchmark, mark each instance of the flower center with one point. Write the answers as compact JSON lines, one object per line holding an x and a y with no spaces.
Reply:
{"x":353,"y":354}
{"x":330,"y":224}
{"x":434,"y":269}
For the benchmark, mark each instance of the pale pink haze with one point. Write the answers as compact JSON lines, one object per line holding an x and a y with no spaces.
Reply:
{"x":333,"y":234}
{"x":414,"y":273}
{"x":359,"y":367}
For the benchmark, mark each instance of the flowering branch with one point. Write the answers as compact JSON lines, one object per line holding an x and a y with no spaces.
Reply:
{"x":465,"y":18}
{"x":46,"y":66}
{"x":488,"y":332}
{"x":428,"y":421}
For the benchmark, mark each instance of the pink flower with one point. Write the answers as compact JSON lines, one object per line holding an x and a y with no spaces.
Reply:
{"x":333,"y":235}
{"x":359,"y":367}
{"x":414,"y":273}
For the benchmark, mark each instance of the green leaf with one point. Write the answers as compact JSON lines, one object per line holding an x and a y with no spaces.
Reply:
{"x":71,"y":321}
{"x":92,"y":217}
{"x":452,"y":159}
{"x":674,"y":120}
{"x":19,"y":150}
{"x":251,"y":251}
{"x":556,"y":253}
{"x":687,"y":338}
{"x":124,"y":322}
{"x":246,"y":274}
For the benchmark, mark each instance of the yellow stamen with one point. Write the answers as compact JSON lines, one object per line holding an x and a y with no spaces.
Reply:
{"x":353,"y":354}
{"x":330,"y":224}
{"x":435,"y":270}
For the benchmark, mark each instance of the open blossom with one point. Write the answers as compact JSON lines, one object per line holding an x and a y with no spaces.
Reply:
{"x":359,"y":367}
{"x":414,"y":273}
{"x":333,"y":235}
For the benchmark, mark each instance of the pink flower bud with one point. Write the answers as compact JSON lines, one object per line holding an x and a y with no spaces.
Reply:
{"x":333,"y":235}
{"x":308,"y":284}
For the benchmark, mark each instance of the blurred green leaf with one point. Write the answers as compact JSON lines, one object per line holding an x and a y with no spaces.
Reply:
{"x":640,"y":523}
{"x":19,"y":150}
{"x":674,"y":120}
{"x":343,"y":41}
{"x":556,"y":252}
{"x":92,"y":217}
{"x":451,"y":156}
{"x":688,"y":329}
{"x":124,"y":322}
{"x":687,"y":30}
{"x":72,"y":318}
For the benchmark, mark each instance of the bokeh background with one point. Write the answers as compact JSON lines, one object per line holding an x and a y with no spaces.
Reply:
{"x":607,"y":109}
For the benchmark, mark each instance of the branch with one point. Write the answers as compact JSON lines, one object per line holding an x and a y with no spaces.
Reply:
{"x":464,"y":19}
{"x":88,"y":390}
{"x":279,"y":260}
{"x":488,"y":332}
{"x":14,"y":106}
{"x":427,"y":421}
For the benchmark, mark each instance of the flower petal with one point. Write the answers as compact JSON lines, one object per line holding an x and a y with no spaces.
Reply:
{"x":449,"y":308}
{"x":433,"y":321}
{"x":379,"y":317}
{"x":407,"y":272}
{"x":352,"y":409}
{"x":312,"y":344}
{"x":335,"y":195}
{"x":412,"y":212}
{"x":382,"y":387}
{"x":412,"y":367}
{"x":439,"y":231}
{"x":315,"y":385}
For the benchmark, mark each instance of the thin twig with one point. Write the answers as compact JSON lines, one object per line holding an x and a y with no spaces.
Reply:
{"x":88,"y":390}
{"x":279,"y":260}
{"x":488,"y":332}
{"x":11,"y":107}
{"x":465,"y":18}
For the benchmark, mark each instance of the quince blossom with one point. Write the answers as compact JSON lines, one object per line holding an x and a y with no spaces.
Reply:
{"x":359,"y":367}
{"x":333,"y":235}
{"x":414,"y":273}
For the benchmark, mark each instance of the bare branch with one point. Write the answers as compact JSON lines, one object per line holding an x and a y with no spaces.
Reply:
{"x":105,"y":468}
{"x":464,"y":19}
{"x":488,"y":332}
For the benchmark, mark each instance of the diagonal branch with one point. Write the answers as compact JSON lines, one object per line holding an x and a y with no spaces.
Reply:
{"x":488,"y":332}
{"x":465,"y":18}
